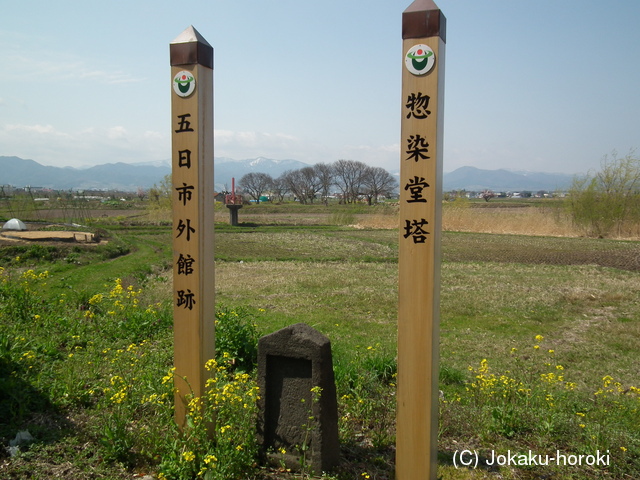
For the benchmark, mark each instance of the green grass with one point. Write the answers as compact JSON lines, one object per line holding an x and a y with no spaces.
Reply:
{"x":61,"y":347}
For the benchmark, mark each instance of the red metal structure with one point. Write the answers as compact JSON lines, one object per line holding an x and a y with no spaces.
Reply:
{"x":232,"y":198}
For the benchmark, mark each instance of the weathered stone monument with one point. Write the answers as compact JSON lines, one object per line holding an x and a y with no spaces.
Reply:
{"x":297,"y":410}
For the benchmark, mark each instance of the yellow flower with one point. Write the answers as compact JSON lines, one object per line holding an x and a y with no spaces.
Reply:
{"x":210,"y":459}
{"x":624,"y":449}
{"x":539,"y":338}
{"x":30,"y":355}
{"x":119,"y":397}
{"x":96,"y":299}
{"x":365,"y":475}
{"x":117,"y":289}
{"x":582,"y":425}
{"x":195,"y":405}
{"x":282,"y":450}
{"x":189,"y":456}
{"x":536,"y":347}
{"x":169,"y":376}
{"x":211,"y":364}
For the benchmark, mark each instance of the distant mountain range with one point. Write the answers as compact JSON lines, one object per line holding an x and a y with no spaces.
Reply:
{"x":475,"y":180}
{"x":19,"y":172}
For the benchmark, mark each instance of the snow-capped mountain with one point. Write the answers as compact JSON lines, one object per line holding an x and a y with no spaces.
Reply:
{"x":228,"y":168}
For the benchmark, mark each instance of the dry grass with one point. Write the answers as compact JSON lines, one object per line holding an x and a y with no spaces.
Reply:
{"x":524,"y":220}
{"x":516,"y":220}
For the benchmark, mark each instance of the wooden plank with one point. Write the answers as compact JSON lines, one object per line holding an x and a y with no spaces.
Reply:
{"x":420,"y":238}
{"x":193,"y":215}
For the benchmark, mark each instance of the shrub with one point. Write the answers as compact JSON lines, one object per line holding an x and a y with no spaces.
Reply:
{"x":607,"y":202}
{"x":237,"y":337}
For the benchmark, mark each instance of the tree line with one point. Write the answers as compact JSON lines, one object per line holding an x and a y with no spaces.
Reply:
{"x":349,"y":180}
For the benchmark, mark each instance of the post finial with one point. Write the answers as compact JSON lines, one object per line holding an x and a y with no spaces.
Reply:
{"x":422,"y":19}
{"x":190,"y":48}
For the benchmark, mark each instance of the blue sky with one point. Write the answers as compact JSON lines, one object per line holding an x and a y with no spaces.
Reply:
{"x":550,"y":85}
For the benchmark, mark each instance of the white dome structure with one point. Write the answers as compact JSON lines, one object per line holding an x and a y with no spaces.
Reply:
{"x":15,"y":225}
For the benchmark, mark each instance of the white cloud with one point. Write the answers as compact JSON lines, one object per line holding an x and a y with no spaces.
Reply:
{"x":36,"y":129}
{"x":115,"y":133}
{"x":89,"y":146}
{"x":58,"y":67}
{"x":249,"y":144}
{"x":153,"y":135}
{"x":92,"y":145}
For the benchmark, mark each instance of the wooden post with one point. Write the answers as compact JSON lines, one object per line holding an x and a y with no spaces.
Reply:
{"x":423,"y":33}
{"x":193,"y":202}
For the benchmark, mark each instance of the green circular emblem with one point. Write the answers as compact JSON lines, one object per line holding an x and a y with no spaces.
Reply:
{"x":420,"y":59}
{"x":184,"y":83}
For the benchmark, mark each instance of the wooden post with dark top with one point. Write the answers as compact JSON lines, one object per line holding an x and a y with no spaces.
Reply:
{"x":423,"y":34}
{"x":193,"y":202}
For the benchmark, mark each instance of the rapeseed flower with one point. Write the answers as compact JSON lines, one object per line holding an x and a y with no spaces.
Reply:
{"x":189,"y":456}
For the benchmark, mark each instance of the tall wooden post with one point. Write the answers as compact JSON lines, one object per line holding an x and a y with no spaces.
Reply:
{"x":423,"y":33}
{"x":193,"y":201}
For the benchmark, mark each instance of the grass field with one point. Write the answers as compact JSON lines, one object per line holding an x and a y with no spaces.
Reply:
{"x":539,"y":341}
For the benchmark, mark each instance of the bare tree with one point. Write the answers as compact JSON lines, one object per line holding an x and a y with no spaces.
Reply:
{"x":255,"y":184}
{"x":376,"y":182}
{"x":325,"y":176}
{"x":348,"y":178}
{"x":293,"y":182}
{"x":279,"y":188}
{"x":310,"y":183}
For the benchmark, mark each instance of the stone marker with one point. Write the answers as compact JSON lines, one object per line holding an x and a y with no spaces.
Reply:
{"x":292,"y":417}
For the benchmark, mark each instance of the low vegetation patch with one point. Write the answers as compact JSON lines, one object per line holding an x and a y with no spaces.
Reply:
{"x":539,"y":342}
